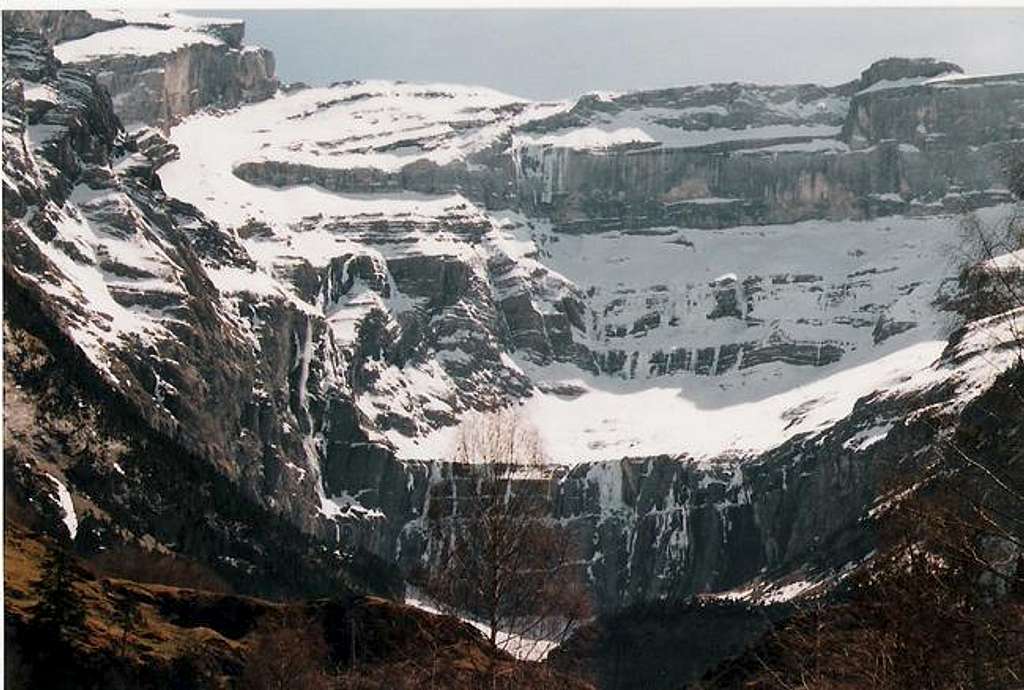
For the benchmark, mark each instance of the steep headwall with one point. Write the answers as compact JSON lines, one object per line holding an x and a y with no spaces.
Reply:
{"x":916,"y":138}
{"x":161,"y":89}
{"x":594,"y":191}
{"x":943,"y":114}
{"x":664,"y":527}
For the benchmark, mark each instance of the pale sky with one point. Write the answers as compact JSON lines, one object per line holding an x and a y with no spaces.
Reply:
{"x":551,"y":53}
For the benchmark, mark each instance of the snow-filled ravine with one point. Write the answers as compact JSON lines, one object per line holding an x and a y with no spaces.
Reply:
{"x":730,"y":341}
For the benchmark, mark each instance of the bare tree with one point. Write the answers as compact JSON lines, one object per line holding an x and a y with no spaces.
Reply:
{"x":497,"y":554}
{"x":991,"y":266}
{"x":288,"y":655}
{"x":992,"y":263}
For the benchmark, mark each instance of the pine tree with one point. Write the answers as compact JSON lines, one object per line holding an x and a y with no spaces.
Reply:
{"x":59,"y":608}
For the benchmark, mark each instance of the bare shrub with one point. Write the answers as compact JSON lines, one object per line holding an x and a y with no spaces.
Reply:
{"x":288,"y":655}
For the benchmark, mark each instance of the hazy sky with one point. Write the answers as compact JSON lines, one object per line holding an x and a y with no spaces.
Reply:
{"x":559,"y":53}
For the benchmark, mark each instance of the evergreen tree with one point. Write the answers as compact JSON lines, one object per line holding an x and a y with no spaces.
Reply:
{"x":59,"y":608}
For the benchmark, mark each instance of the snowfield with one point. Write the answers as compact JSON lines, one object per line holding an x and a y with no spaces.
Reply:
{"x":131,"y":40}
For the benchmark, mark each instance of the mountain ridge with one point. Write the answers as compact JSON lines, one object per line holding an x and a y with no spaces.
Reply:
{"x":314,"y":332}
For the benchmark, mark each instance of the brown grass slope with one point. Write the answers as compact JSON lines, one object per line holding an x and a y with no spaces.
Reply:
{"x":200,"y":639}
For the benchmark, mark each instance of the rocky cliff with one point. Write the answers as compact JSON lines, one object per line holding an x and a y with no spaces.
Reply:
{"x":909,"y":137}
{"x":912,"y":137}
{"x":305,"y":294}
{"x":158,"y":66}
{"x":107,"y":294}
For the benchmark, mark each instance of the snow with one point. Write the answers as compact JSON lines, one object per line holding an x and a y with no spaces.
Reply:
{"x":955,"y":79}
{"x":586,"y":138}
{"x":130,"y":40}
{"x":947,"y":79}
{"x":63,"y":499}
{"x":340,"y":128}
{"x":374,"y":124}
{"x":161,"y":18}
{"x":989,"y":347}
{"x":86,"y":283}
{"x":744,"y":594}
{"x":887,"y":84}
{"x":233,"y":280}
{"x":787,"y":592}
{"x":866,"y":438}
{"x":40,"y":92}
{"x":708,"y":200}
{"x":820,"y":282}
{"x":638,"y":125}
{"x":889,"y":196}
{"x":815,"y":284}
{"x":813,"y":146}
{"x":521,"y":647}
{"x":1010,"y":261}
{"x":604,"y":425}
{"x":345,"y":505}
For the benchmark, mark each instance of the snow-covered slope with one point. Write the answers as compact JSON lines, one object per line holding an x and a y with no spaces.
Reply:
{"x":670,"y":340}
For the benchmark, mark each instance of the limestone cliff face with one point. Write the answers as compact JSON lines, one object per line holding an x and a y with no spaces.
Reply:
{"x":58,"y":25}
{"x":758,"y":185}
{"x":161,"y":89}
{"x":941,"y":115}
{"x":158,"y":67}
{"x":910,"y":137}
{"x":665,"y":528}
